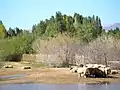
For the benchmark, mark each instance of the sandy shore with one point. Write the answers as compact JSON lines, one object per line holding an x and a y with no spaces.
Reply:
{"x":51,"y":75}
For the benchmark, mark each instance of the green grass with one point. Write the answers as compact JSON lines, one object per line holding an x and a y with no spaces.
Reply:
{"x":2,"y":79}
{"x":37,"y":65}
{"x":2,"y":64}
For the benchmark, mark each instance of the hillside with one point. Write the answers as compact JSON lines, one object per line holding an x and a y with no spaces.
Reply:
{"x":112,"y":26}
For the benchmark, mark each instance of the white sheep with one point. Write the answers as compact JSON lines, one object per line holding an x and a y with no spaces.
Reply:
{"x":114,"y":71}
{"x":73,"y":69}
{"x":89,"y":65}
{"x":81,"y":72}
{"x":95,"y":66}
{"x":107,"y":70}
{"x":101,"y":66}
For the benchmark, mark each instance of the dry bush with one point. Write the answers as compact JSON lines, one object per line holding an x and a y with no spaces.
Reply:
{"x":103,"y":50}
{"x":62,"y":45}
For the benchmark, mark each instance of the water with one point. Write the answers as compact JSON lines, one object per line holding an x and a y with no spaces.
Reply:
{"x":34,"y":86}
{"x":12,"y":76}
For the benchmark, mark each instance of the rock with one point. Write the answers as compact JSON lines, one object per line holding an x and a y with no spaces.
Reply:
{"x":8,"y":66}
{"x":26,"y":67}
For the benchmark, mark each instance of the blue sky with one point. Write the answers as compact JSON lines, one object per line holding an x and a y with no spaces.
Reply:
{"x":25,"y":13}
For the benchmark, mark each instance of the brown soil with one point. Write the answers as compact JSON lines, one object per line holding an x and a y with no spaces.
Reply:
{"x":52,"y":75}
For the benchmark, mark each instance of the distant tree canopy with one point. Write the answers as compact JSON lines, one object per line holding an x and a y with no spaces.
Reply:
{"x":85,"y":28}
{"x":115,"y":33}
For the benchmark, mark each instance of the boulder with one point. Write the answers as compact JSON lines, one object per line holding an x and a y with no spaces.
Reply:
{"x":26,"y":67}
{"x":8,"y":66}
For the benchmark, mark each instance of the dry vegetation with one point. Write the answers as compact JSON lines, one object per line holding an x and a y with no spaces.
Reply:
{"x":103,"y":50}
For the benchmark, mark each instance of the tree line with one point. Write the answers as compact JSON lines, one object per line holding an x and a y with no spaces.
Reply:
{"x":16,"y":41}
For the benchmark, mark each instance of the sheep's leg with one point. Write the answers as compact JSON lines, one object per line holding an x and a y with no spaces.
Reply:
{"x":84,"y":76}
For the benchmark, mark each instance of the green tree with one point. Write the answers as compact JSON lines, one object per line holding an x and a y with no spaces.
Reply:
{"x":11,"y":32}
{"x":18,"y":31}
{"x":2,"y":30}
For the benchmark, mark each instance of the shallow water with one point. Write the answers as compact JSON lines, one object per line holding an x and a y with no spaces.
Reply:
{"x":12,"y":76}
{"x":34,"y":86}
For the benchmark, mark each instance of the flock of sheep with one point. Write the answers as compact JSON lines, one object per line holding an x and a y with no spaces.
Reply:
{"x":92,"y":70}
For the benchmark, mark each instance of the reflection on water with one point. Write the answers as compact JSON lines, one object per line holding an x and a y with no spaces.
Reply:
{"x":100,"y":83}
{"x":33,"y":86}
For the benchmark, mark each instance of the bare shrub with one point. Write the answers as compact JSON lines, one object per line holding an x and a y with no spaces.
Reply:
{"x":62,"y":45}
{"x":103,"y":50}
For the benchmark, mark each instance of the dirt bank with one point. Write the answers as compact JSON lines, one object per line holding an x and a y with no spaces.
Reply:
{"x":51,"y":75}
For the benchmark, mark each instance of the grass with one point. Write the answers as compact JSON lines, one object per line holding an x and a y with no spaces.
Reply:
{"x":1,"y":64}
{"x":3,"y":79}
{"x":37,"y":65}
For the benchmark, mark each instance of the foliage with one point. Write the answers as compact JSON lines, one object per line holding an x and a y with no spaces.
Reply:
{"x":2,"y":30}
{"x":84,"y":28}
{"x":16,"y":45}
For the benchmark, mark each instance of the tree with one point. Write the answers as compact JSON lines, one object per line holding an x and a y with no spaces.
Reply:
{"x":98,"y":26}
{"x":33,"y":28}
{"x":18,"y":31}
{"x":2,"y":30}
{"x":11,"y":32}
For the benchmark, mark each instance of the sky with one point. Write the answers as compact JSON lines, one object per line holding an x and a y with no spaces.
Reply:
{"x":25,"y":13}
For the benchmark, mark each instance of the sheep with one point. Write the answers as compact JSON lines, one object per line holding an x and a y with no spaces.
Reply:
{"x":73,"y":69}
{"x":94,"y":72}
{"x":101,"y":66}
{"x":81,"y":72}
{"x":106,"y":70}
{"x":90,"y":72}
{"x":95,"y":65}
{"x":89,"y":65}
{"x":114,"y":71}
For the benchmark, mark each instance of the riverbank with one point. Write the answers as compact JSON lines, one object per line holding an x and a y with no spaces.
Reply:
{"x":51,"y":76}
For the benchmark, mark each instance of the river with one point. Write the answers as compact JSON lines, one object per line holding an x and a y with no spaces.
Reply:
{"x":35,"y":86}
